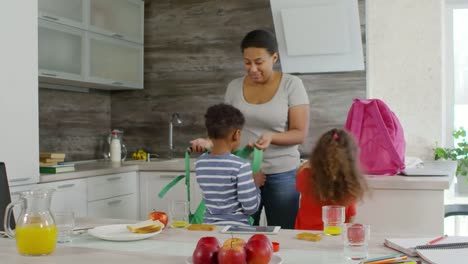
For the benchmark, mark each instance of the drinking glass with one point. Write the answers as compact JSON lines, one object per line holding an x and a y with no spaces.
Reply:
{"x":65,"y":222}
{"x":356,"y":241}
{"x":333,"y":217}
{"x":179,"y":213}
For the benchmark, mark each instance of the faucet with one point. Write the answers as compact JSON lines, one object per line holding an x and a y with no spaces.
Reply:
{"x":174,"y":118}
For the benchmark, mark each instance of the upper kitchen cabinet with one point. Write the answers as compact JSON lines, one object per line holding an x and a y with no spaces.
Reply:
{"x":69,"y":12}
{"x":114,"y":62}
{"x":104,"y":52}
{"x":61,"y":51}
{"x":117,"y":18}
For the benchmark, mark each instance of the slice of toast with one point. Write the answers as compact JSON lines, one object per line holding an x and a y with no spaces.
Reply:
{"x":147,"y":226}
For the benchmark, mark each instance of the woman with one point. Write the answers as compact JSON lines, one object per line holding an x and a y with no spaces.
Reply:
{"x":276,"y":109}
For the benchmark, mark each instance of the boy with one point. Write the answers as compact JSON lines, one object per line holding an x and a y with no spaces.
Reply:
{"x":226,"y":180}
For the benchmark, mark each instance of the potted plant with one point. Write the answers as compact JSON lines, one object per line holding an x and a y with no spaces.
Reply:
{"x":459,"y":154}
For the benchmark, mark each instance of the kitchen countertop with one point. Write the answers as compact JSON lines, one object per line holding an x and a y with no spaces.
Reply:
{"x":104,"y":167}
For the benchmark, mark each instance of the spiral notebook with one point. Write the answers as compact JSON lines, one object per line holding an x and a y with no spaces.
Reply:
{"x":453,"y":249}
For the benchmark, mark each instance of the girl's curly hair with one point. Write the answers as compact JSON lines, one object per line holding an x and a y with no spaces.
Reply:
{"x":336,"y":177}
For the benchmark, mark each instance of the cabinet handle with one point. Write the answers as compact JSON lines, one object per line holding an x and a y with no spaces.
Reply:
{"x":117,"y":83}
{"x":167,"y":176}
{"x":117,"y":36}
{"x":19,"y":179}
{"x":66,"y":186}
{"x":51,"y":18}
{"x":114,"y":202}
{"x":114,"y":178}
{"x":49,"y":74}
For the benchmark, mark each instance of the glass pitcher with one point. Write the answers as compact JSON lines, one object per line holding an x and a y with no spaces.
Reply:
{"x":119,"y":134}
{"x":36,"y":232}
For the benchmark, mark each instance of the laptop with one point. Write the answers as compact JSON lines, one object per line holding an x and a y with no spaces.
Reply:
{"x":5,"y":198}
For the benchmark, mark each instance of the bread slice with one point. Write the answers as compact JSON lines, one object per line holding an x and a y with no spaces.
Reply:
{"x":148,"y":226}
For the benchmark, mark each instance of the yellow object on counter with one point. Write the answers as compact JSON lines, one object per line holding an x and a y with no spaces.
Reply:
{"x":309,"y":236}
{"x":332,"y":230}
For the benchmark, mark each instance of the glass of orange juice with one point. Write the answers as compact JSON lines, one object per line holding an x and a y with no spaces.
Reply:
{"x":333,"y":217}
{"x":179,"y":213}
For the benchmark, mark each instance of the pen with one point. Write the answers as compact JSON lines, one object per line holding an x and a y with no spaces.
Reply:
{"x":369,"y":260}
{"x":409,"y":262}
{"x":437,"y":239}
{"x":389,"y":260}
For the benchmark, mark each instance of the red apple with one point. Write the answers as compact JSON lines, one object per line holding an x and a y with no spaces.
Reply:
{"x":161,"y":216}
{"x":261,"y":237}
{"x":206,"y":251}
{"x":356,"y":233}
{"x":231,"y":254}
{"x":258,"y":251}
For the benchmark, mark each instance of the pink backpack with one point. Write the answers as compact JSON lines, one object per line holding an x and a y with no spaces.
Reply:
{"x":379,"y":136}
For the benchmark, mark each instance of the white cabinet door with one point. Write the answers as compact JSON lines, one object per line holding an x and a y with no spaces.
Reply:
{"x":19,"y":132}
{"x":151,"y":183}
{"x":115,"y":62}
{"x":121,"y":207}
{"x":118,"y":18}
{"x":68,"y":196}
{"x":61,"y":51}
{"x":68,"y":12}
{"x":106,"y":186}
{"x":113,"y":196}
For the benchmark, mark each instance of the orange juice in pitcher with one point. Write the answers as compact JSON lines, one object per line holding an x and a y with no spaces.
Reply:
{"x":33,"y":239}
{"x":36,"y":232}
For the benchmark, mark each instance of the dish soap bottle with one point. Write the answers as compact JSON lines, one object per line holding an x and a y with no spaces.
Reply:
{"x":115,"y":147}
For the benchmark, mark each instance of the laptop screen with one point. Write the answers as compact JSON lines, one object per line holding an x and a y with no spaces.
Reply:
{"x":5,"y":198}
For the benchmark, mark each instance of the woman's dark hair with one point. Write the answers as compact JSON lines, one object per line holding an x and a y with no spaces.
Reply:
{"x":222,"y":119}
{"x":260,"y":39}
{"x":336,"y":178}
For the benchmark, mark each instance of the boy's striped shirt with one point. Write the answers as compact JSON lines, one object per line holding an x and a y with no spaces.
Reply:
{"x":228,"y":189}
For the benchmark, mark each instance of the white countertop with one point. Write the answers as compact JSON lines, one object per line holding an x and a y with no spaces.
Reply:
{"x":176,"y":245}
{"x":102,"y":167}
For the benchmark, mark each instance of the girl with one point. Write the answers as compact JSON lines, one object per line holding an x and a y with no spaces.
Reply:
{"x":330,"y":177}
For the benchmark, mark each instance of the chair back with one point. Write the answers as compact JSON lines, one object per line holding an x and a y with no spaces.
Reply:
{"x":5,"y":198}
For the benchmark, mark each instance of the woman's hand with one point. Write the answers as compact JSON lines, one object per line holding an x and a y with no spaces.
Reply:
{"x":200,"y":145}
{"x":259,"y":178}
{"x":263,"y":141}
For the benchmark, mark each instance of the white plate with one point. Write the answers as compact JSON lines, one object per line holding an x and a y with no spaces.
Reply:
{"x":118,"y":233}
{"x":274,"y":260}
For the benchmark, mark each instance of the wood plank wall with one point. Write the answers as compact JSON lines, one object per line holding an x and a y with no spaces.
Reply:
{"x":191,"y":53}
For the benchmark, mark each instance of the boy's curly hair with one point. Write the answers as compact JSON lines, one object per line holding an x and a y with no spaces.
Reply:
{"x":222,"y":119}
{"x":336,"y":177}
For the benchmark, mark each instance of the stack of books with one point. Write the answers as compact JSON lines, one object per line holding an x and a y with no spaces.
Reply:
{"x":54,"y":163}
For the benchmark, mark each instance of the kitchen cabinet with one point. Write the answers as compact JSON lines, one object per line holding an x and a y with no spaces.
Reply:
{"x":115,"y":62}
{"x":113,"y":196}
{"x":117,"y":18}
{"x":69,"y":195}
{"x":19,"y":133}
{"x":61,"y":51}
{"x":105,"y":52}
{"x":151,"y":184}
{"x":69,"y":12}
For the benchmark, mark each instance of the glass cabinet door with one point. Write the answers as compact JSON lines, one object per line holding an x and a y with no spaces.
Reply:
{"x":115,"y":62}
{"x":117,"y":18}
{"x":69,"y":12}
{"x":61,"y":50}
